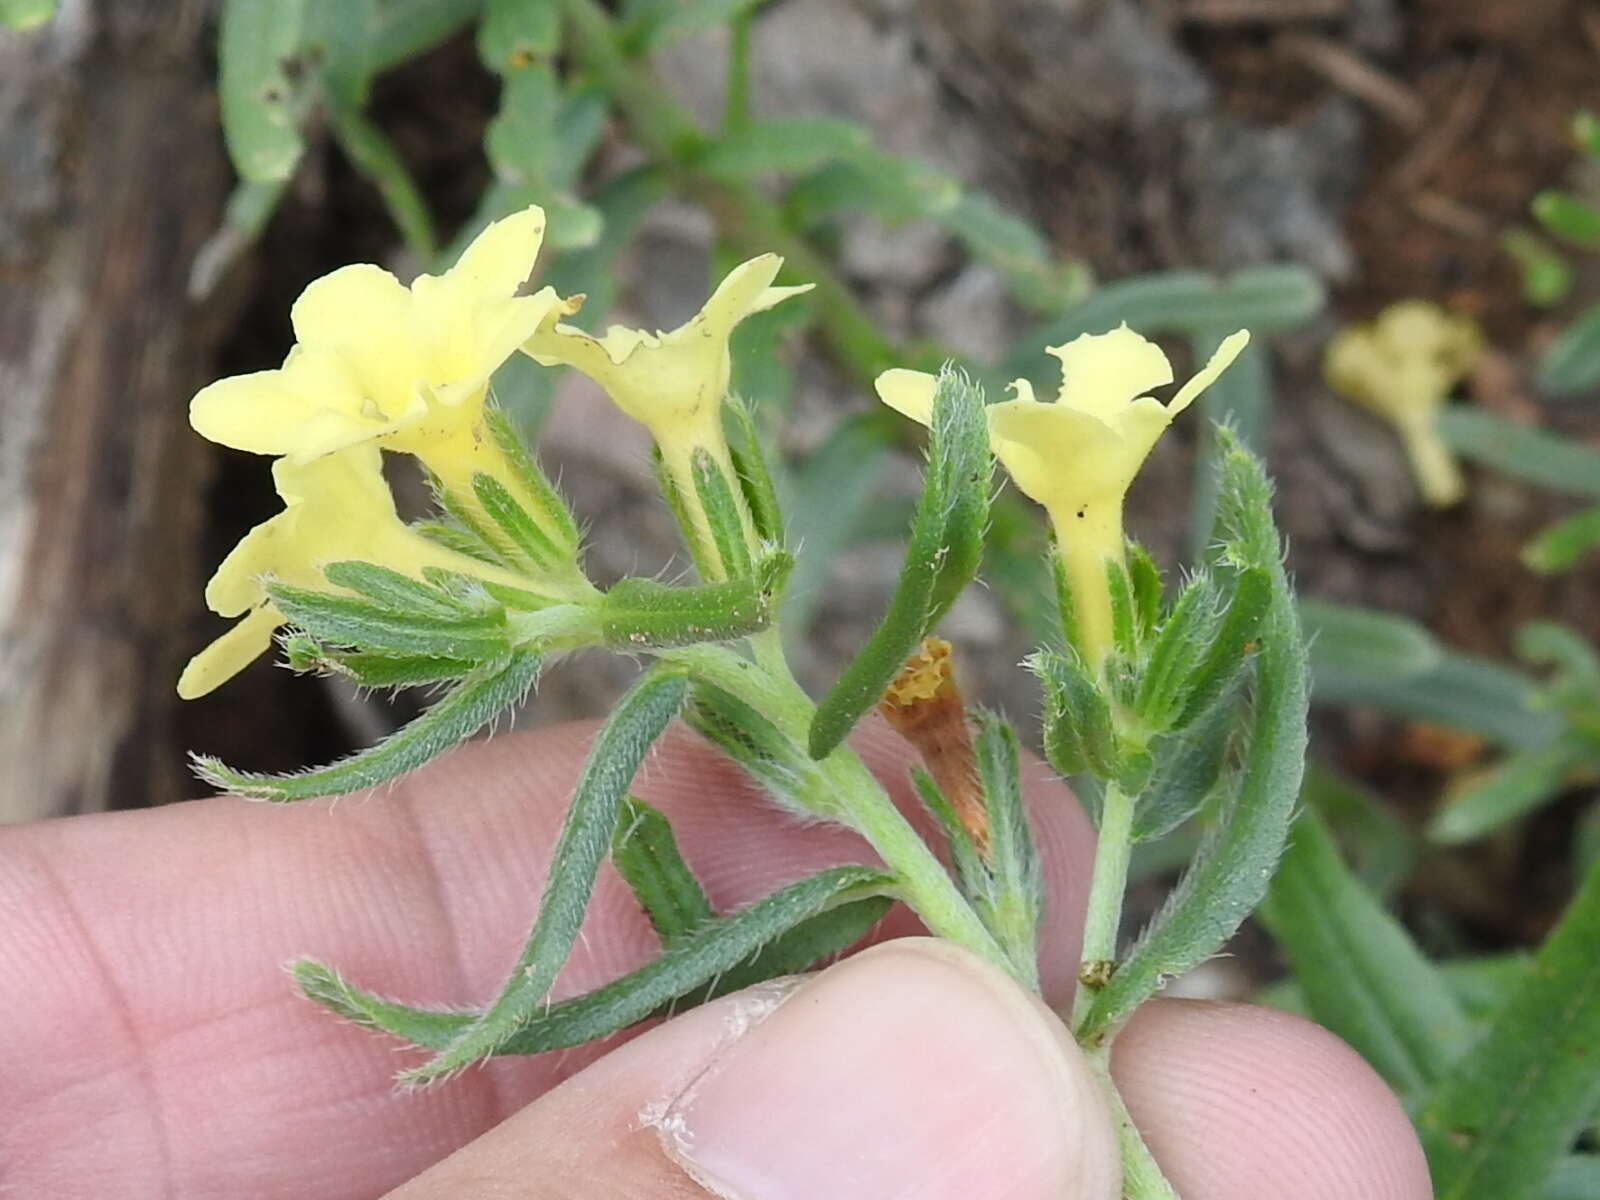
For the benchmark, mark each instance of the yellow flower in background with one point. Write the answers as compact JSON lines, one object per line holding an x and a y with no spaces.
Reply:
{"x":336,"y":507}
{"x":1403,"y":367}
{"x":405,"y":368}
{"x":1079,"y":454}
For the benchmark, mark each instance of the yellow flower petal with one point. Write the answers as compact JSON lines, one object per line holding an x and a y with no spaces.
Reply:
{"x":499,"y":260}
{"x":1219,"y":362}
{"x":229,"y":654}
{"x":1059,"y":456}
{"x":1101,"y":373}
{"x":909,"y":393}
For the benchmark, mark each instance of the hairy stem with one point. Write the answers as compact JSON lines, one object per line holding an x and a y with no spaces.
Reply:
{"x":1142,"y":1178}
{"x":1111,"y":854}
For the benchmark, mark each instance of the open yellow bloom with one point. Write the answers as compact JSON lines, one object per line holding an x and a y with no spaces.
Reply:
{"x":1078,"y":455}
{"x":673,"y":383}
{"x":336,"y":507}
{"x":1402,"y":367}
{"x":405,"y":368}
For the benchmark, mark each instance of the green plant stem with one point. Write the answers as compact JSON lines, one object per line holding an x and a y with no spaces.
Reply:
{"x":1142,"y":1178}
{"x":736,"y":104}
{"x":855,"y":796}
{"x":1112,"y":851}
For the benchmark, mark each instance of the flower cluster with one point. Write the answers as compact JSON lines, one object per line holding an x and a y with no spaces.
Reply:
{"x":379,"y":366}
{"x":1078,"y":455}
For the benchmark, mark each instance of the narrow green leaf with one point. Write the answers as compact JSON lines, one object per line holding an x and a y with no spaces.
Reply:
{"x":1188,"y":766}
{"x":1523,"y":451}
{"x":461,"y":712}
{"x":1249,"y":595}
{"x":1350,"y":645}
{"x":518,"y":33}
{"x":460,"y":538}
{"x":1183,"y":640}
{"x":1240,"y":398}
{"x":1147,"y":589}
{"x":1559,"y":547}
{"x":256,"y":47}
{"x":358,"y":40}
{"x":23,"y":15}
{"x":554,"y":516}
{"x":372,"y":670}
{"x":646,"y":855}
{"x":643,"y":614}
{"x":754,"y":474}
{"x":1546,"y":276}
{"x":364,"y":625}
{"x":375,"y":156}
{"x":1361,"y":974}
{"x":1079,"y":734}
{"x":250,"y":206}
{"x":1463,"y":691}
{"x":777,"y":935}
{"x":532,"y":544}
{"x":660,"y":23}
{"x":1017,"y":249}
{"x":1571,"y":363}
{"x":1381,"y":847}
{"x":771,"y":758}
{"x":942,"y":556}
{"x":394,"y":590}
{"x":1565,"y":214}
{"x":1510,"y":790}
{"x":724,"y":514}
{"x":781,"y":145}
{"x":1014,"y":902}
{"x":1234,"y":864}
{"x":635,"y":723}
{"x":1512,"y":1107}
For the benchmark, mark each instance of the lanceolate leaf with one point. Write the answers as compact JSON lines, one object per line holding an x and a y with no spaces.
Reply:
{"x":1360,"y":973}
{"x":777,"y":935}
{"x":367,"y":625}
{"x":1350,"y":645}
{"x":646,"y":855}
{"x":461,"y":712}
{"x":639,"y":614}
{"x":1545,"y":459}
{"x":629,"y":732}
{"x":260,"y":109}
{"x":1511,"y":789}
{"x":1503,"y":1118}
{"x":946,"y":544}
{"x":1234,"y":864}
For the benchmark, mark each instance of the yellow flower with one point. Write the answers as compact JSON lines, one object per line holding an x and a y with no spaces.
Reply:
{"x":1402,"y":367}
{"x":336,"y":507}
{"x":1078,"y":455}
{"x":673,"y":383}
{"x":406,"y":368}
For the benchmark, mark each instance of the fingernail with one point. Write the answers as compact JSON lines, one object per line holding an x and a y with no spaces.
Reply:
{"x":912,"y":1070}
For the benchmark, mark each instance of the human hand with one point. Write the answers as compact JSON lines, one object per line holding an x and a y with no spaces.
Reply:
{"x":153,"y":1049}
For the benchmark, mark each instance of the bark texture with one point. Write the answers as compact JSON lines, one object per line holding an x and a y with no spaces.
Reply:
{"x":111,"y":175}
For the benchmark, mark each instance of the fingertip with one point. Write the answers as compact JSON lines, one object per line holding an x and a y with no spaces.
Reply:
{"x":1240,"y":1102}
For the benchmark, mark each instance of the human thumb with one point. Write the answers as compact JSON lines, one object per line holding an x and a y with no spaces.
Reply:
{"x":910,"y":1070}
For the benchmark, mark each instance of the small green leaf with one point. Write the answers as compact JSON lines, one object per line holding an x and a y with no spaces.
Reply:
{"x":364,"y":625}
{"x":1079,"y":734}
{"x":1522,"y":451}
{"x":1499,"y":1123}
{"x":1510,"y":790}
{"x":660,"y":23}
{"x":1381,"y":847}
{"x":1586,"y":132}
{"x":646,"y":855}
{"x":374,"y":156}
{"x":372,"y":670}
{"x":461,"y":712}
{"x":1241,"y":398}
{"x":1231,"y":870}
{"x":23,"y":15}
{"x":754,"y":474}
{"x":394,"y":590}
{"x":1188,"y":766}
{"x":1571,"y":363}
{"x":256,"y":46}
{"x":781,"y":145}
{"x":945,"y":547}
{"x":532,"y":544}
{"x":1249,"y":595}
{"x":773,"y":759}
{"x":1180,"y":645}
{"x":553,"y":515}
{"x":641,"y":614}
{"x":518,"y":33}
{"x":1360,"y":973}
{"x":1546,"y":275}
{"x":1564,"y":214}
{"x":779,"y":934}
{"x":1559,"y":547}
{"x":1013,"y":904}
{"x":250,"y":206}
{"x":639,"y":718}
{"x":1147,"y":589}
{"x":725,"y":516}
{"x":1351,"y":645}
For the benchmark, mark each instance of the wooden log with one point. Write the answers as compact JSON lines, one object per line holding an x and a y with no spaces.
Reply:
{"x":111,"y":175}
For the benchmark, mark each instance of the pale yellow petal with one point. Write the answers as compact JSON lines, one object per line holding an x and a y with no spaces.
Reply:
{"x":500,"y":259}
{"x":909,"y":393}
{"x":1103,"y":372}
{"x":1055,"y":454}
{"x":1220,"y":361}
{"x":737,"y":296}
{"x":344,"y":306}
{"x":774,"y":296}
{"x":229,"y":654}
